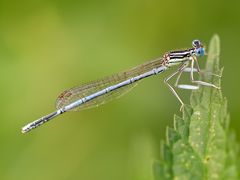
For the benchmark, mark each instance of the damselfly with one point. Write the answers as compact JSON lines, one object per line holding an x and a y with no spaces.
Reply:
{"x":101,"y":91}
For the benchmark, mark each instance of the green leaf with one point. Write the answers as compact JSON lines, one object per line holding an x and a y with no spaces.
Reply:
{"x":201,"y":146}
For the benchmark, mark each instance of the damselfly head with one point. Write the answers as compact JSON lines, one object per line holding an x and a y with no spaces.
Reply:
{"x":199,"y":49}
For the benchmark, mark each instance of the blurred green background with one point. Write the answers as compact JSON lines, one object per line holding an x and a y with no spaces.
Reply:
{"x":48,"y":46}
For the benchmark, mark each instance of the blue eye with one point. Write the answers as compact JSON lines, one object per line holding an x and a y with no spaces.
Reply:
{"x":200,"y":51}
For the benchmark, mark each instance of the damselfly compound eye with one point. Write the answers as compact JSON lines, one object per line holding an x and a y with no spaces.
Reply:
{"x":200,"y":51}
{"x":196,"y":43}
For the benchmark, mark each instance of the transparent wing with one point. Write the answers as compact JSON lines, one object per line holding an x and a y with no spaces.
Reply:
{"x":84,"y":90}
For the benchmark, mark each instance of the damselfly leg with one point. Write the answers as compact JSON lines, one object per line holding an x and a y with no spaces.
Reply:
{"x":184,"y":68}
{"x":179,"y":71}
{"x":197,"y":81}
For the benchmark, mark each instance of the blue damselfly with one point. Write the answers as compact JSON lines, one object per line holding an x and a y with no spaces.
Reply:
{"x":101,"y":91}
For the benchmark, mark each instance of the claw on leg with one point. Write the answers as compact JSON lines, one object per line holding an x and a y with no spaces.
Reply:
{"x":182,"y":107}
